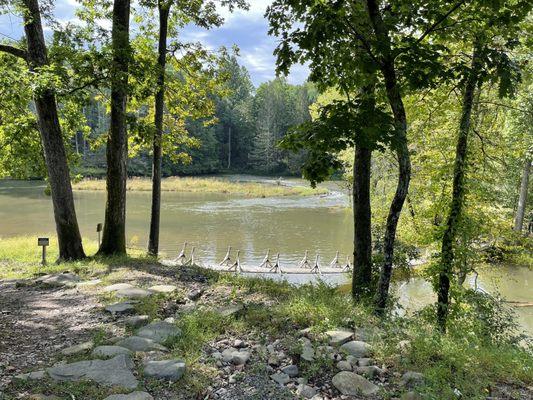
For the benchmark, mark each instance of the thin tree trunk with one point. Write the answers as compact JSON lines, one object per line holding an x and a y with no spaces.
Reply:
{"x":522,"y":199}
{"x":449,"y":237}
{"x":68,"y":233}
{"x":362,"y":255}
{"x":404,"y":162}
{"x":229,"y":147}
{"x":153,"y":243}
{"x":114,"y":235}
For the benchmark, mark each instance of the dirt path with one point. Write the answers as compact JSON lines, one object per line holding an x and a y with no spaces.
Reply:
{"x":35,"y":323}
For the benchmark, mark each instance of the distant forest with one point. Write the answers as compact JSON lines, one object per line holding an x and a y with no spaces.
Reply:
{"x":241,"y":136}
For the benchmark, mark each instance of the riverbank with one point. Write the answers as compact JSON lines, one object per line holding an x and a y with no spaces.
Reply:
{"x":208,"y":185}
{"x":239,"y":338}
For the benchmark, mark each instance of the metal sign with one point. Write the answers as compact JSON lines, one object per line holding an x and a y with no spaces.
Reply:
{"x":43,"y":241}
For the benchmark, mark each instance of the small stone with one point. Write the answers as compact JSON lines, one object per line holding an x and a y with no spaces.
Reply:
{"x":159,"y":331}
{"x":227,"y":354}
{"x":137,"y":321}
{"x":412,"y":379}
{"x":364,"y":362}
{"x":352,"y":360}
{"x":240,"y":357}
{"x":229,"y":311}
{"x":130,"y":396}
{"x":163,"y":288}
{"x":238,"y":343}
{"x":78,"y":349}
{"x":195,"y":294}
{"x":92,"y":282}
{"x":344,"y":366}
{"x":305,"y":391}
{"x":356,"y":348}
{"x":308,"y":354}
{"x":291,"y":370}
{"x":133,"y":293}
{"x":58,"y":280}
{"x":370,"y":371}
{"x":171,"y":370}
{"x":136,"y":343}
{"x":120,"y":308}
{"x":110,"y":351}
{"x":338,"y":337}
{"x":281,"y":378}
{"x":118,"y":286}
{"x":351,"y":384}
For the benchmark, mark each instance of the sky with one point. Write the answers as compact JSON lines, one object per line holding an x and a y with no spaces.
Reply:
{"x":246,"y":29}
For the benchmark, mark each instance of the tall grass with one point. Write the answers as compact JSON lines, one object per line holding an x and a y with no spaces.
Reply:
{"x":208,"y":185}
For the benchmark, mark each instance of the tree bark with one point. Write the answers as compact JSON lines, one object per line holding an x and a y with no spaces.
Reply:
{"x":362,"y":255}
{"x":522,"y":199}
{"x":114,"y":234}
{"x":68,"y":233}
{"x":229,"y":147}
{"x":458,"y":192}
{"x":394,"y":96}
{"x":153,"y":242}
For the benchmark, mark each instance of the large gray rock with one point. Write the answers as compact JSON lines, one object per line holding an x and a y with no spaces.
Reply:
{"x":113,"y":372}
{"x":136,"y":343}
{"x":125,"y":307}
{"x":136,"y":321}
{"x":78,"y":349}
{"x":118,"y":286}
{"x":412,"y":379}
{"x":338,"y":337}
{"x":159,"y":331}
{"x":163,"y":288}
{"x":240,"y":357}
{"x":351,"y":384}
{"x":171,"y":370}
{"x":356,"y":348}
{"x":370,"y":371}
{"x":130,"y":396}
{"x":32,"y":376}
{"x":58,"y":280}
{"x":305,"y":391}
{"x":291,"y":370}
{"x":133,"y":293}
{"x":110,"y":351}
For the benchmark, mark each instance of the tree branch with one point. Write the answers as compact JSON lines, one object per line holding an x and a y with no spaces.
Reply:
{"x":440,"y":21}
{"x":14,"y":51}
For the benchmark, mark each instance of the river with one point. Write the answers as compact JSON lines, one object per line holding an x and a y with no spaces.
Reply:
{"x":212,"y":222}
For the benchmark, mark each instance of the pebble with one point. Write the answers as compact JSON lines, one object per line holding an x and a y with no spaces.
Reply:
{"x":281,"y":378}
{"x":291,"y":370}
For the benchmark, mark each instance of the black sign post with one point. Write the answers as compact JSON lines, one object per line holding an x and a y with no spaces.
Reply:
{"x":98,"y":230}
{"x":43,"y":242}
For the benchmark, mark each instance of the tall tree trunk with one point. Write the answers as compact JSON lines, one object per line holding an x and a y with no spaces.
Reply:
{"x":153,"y":243}
{"x":449,"y":237}
{"x":114,"y":235}
{"x":362,"y":254}
{"x":229,"y":147}
{"x":68,"y":233}
{"x":522,"y":199}
{"x":394,"y":96}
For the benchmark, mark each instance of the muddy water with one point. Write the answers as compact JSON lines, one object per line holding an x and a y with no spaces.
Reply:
{"x":212,"y":222}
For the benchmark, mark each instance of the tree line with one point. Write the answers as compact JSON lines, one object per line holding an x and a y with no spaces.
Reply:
{"x":427,"y":99}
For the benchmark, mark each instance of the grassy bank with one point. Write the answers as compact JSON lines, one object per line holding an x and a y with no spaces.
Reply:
{"x":472,"y":358}
{"x":208,"y":185}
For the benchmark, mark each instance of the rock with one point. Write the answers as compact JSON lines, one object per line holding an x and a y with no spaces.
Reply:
{"x":240,"y":357}
{"x":227,"y":354}
{"x":159,"y":331}
{"x":137,"y":321}
{"x":110,"y":351}
{"x":133,"y":293}
{"x":370,"y":371}
{"x":281,"y":378}
{"x":412,"y":379}
{"x":344,"y":366}
{"x":229,"y":311}
{"x":58,"y":280}
{"x":238,"y":343}
{"x":364,"y":362}
{"x":136,"y":343}
{"x":130,"y":396}
{"x":120,"y":308}
{"x":163,"y":288}
{"x":352,"y":360}
{"x":308,"y":354}
{"x":92,"y":282}
{"x":113,"y":372}
{"x":78,"y":349}
{"x":411,"y":396}
{"x":356,"y":348}
{"x":195,"y":294}
{"x":291,"y":370}
{"x":305,"y":391}
{"x":338,"y":337}
{"x":171,"y":370}
{"x":35,"y":375}
{"x":351,"y":384}
{"x":118,"y":286}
